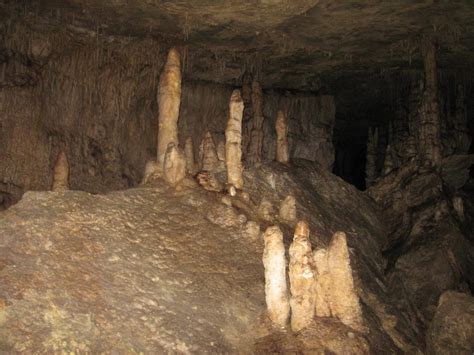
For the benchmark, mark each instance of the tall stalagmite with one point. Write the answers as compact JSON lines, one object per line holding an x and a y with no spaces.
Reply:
{"x":61,"y":173}
{"x":281,"y":128}
{"x":429,"y":130}
{"x":233,"y":141}
{"x":174,"y":166}
{"x":254,"y":155}
{"x":169,"y":97}
{"x":274,"y":262}
{"x":208,"y":153}
{"x":302,"y":281}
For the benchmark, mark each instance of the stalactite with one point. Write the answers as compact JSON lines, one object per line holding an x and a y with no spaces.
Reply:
{"x":254,"y":155}
{"x":169,"y":97}
{"x":233,"y":144}
{"x":274,"y":262}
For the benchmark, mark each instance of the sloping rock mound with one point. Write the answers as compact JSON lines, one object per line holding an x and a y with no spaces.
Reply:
{"x":155,"y":269}
{"x":452,"y":329}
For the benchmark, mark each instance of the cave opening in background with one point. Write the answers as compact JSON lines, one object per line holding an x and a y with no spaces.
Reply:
{"x":350,"y":162}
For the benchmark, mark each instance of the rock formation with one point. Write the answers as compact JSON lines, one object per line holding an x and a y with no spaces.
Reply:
{"x":323,"y":284}
{"x":169,"y":98}
{"x":274,"y":261}
{"x":208,"y":154}
{"x":189,"y":155}
{"x":174,"y":168}
{"x":254,"y":154}
{"x":233,"y":141}
{"x":302,"y":281}
{"x":287,"y":212}
{"x":429,"y":130}
{"x":281,"y":128}
{"x":61,"y":173}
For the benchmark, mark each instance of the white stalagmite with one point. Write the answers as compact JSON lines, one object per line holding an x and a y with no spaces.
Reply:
{"x":189,"y":155}
{"x":343,"y":299}
{"x":287,"y":212}
{"x":174,"y":167}
{"x":323,"y":283}
{"x":61,"y":173}
{"x":281,"y":128}
{"x":169,"y":97}
{"x":208,"y":153}
{"x":302,"y":281}
{"x":233,"y":143}
{"x":274,"y":262}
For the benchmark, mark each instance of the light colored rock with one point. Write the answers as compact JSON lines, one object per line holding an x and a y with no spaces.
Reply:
{"x":252,"y":230}
{"x":221,"y":150}
{"x":209,"y":182}
{"x":281,"y":128}
{"x":208,"y":154}
{"x":287,"y":211}
{"x":189,"y":155}
{"x":323,"y":283}
{"x":61,"y":173}
{"x":274,"y":261}
{"x":233,"y":136}
{"x":266,"y":210}
{"x":343,"y":299}
{"x":302,"y":281}
{"x":169,"y":98}
{"x":153,"y":170}
{"x":174,"y":168}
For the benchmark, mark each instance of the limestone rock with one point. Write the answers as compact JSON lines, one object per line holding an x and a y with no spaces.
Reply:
{"x":266,"y":210}
{"x":174,"y":168}
{"x":274,"y":261}
{"x":281,"y":128}
{"x":323,"y":284}
{"x":209,"y":181}
{"x":452,"y":328}
{"x":153,"y":171}
{"x":61,"y":173}
{"x":233,"y":137}
{"x":189,"y":155}
{"x":208,"y":153}
{"x":302,"y":278}
{"x":169,"y":98}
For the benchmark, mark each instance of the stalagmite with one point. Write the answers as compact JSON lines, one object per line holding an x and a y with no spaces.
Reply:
{"x":281,"y":128}
{"x":323,"y":284}
{"x":343,"y":299}
{"x":189,"y":155}
{"x":254,"y":155}
{"x":370,"y":167}
{"x":169,"y":97}
{"x":233,"y":137}
{"x":274,"y":261}
{"x":61,"y":173}
{"x":429,"y":130}
{"x":174,"y":167}
{"x":287,"y":212}
{"x":208,"y":153}
{"x":302,"y":282}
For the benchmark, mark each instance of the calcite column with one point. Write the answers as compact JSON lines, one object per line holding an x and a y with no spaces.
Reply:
{"x":61,"y":173}
{"x":343,"y":299}
{"x":254,"y":155}
{"x":281,"y":128}
{"x":302,"y":281}
{"x":174,"y":166}
{"x":274,"y":262}
{"x":370,"y":167}
{"x":233,"y":141}
{"x":189,"y":155}
{"x":169,"y":97}
{"x":208,"y":153}
{"x":429,"y":131}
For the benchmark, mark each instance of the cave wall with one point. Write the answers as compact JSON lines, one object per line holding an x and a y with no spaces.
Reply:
{"x":97,"y":101}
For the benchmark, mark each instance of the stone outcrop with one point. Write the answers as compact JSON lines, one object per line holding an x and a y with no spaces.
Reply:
{"x":302,"y":281}
{"x":61,"y":173}
{"x":174,"y":167}
{"x":208,"y":154}
{"x":233,"y":136}
{"x":274,"y":261}
{"x":169,"y":99}
{"x":287,"y":212}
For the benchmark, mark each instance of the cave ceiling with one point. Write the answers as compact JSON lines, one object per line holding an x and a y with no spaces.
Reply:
{"x":293,"y":44}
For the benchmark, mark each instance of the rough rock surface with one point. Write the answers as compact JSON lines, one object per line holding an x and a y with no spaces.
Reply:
{"x":132,"y":271}
{"x":452,"y":328}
